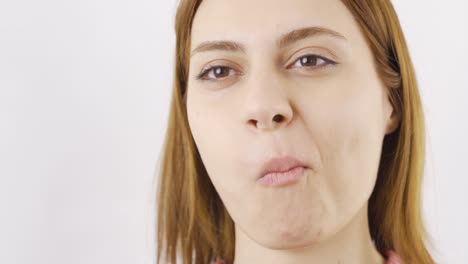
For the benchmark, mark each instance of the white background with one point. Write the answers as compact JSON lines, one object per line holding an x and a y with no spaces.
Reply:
{"x":84,"y":97}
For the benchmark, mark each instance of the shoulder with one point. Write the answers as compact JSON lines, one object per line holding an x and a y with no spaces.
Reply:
{"x":218,"y":260}
{"x":393,"y":258}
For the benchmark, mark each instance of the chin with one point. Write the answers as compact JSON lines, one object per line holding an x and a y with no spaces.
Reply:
{"x":288,"y":239}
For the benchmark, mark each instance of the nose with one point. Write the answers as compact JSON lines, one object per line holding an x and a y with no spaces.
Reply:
{"x":267,"y":105}
{"x":266,"y":124}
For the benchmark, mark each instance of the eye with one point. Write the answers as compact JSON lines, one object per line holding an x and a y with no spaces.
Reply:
{"x":313,"y":61}
{"x":216,"y":72}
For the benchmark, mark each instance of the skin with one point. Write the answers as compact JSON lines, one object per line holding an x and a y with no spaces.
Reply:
{"x":334,"y":118}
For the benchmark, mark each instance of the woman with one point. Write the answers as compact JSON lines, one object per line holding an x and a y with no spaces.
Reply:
{"x":296,"y":135}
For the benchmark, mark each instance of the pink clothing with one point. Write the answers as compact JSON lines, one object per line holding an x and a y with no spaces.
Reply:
{"x":391,"y":257}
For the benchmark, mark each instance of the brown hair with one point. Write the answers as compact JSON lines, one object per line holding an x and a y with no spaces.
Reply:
{"x":191,"y":218}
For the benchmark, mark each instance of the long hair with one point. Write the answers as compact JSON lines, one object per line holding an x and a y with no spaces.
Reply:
{"x":192,"y":222}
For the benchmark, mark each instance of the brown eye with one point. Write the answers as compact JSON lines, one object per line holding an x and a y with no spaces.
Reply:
{"x":216,"y":73}
{"x":221,"y":72}
{"x":312,"y":61}
{"x":309,"y":61}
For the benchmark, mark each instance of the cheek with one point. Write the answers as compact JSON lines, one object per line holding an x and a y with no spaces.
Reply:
{"x":340,"y":117}
{"x":345,"y":124}
{"x":213,"y":137}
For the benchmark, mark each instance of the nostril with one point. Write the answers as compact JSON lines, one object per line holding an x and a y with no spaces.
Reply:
{"x":278,"y":118}
{"x":253,"y":122}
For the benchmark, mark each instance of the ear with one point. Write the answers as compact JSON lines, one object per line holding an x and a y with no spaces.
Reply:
{"x":392,"y":122}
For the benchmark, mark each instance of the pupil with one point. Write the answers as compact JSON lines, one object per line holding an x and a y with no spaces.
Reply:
{"x":308,"y":60}
{"x":220,"y":71}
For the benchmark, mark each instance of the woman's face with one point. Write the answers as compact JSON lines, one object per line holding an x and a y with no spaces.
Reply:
{"x":333,"y":109}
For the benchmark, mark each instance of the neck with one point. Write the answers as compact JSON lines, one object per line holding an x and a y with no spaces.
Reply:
{"x":352,"y":245}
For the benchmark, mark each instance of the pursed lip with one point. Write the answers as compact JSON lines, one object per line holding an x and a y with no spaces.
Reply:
{"x":280,"y":164}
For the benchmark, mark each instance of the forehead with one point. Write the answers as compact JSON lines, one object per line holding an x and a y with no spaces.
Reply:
{"x":254,"y":22}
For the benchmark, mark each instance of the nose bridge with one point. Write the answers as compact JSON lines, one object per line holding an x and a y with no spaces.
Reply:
{"x":267,"y":102}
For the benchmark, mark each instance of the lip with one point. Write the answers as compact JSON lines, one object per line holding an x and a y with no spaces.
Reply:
{"x":280,"y":165}
{"x":277,"y":179}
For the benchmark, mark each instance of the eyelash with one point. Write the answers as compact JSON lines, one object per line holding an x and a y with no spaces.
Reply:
{"x":327,"y":63}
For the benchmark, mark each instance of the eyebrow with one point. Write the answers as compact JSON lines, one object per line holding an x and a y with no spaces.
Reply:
{"x":284,"y":41}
